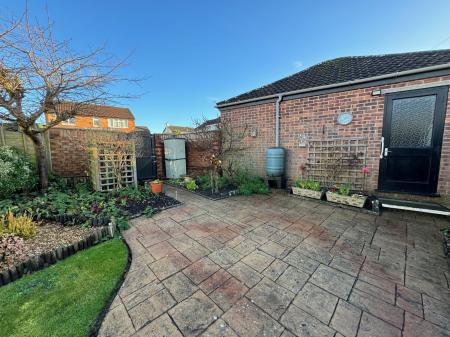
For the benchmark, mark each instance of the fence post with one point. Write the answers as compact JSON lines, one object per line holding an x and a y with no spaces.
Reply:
{"x":2,"y":134}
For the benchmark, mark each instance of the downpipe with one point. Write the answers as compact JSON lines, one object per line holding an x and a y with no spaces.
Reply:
{"x":277,"y":120}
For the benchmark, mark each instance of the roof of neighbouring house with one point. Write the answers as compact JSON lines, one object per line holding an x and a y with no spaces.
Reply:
{"x":346,"y":69}
{"x":208,"y":123}
{"x":99,"y":110}
{"x":178,"y":129}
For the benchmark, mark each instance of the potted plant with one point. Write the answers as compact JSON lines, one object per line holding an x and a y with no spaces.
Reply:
{"x":308,"y":188}
{"x":446,"y":240}
{"x":343,"y":196}
{"x":156,"y":186}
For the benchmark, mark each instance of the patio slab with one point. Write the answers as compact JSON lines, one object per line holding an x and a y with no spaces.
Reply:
{"x":278,"y":265}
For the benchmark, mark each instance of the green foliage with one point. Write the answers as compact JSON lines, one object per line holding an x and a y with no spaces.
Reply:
{"x":445,"y":231}
{"x":11,"y":245}
{"x":249,"y":184}
{"x":308,"y":184}
{"x":205,"y":182}
{"x":191,"y":185}
{"x":63,"y":299}
{"x":149,"y":211}
{"x":344,"y":190}
{"x":16,"y":172}
{"x":176,"y":182}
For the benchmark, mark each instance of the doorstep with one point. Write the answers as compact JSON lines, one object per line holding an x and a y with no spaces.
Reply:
{"x":414,"y":206}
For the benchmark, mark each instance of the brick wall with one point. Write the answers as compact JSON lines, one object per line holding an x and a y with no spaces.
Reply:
{"x":86,"y":122}
{"x":315,"y":117}
{"x":68,"y":149}
{"x":196,"y":161}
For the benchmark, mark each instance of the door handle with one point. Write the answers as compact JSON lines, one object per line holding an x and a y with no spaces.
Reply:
{"x":386,"y":152}
{"x":382,"y":148}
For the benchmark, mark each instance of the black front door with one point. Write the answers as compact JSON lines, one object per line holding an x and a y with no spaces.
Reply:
{"x":413,"y":126}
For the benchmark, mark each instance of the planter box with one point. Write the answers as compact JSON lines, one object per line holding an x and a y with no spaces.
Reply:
{"x":307,"y":193}
{"x":352,"y":200}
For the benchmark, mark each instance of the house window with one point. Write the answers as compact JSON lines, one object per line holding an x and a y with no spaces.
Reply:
{"x":96,"y":122}
{"x":70,"y":121}
{"x":117,"y":123}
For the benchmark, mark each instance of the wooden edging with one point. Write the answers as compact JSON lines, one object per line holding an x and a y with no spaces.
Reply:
{"x":49,"y":258}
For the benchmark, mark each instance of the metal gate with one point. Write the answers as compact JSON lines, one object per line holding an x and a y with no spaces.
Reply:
{"x":146,"y":165}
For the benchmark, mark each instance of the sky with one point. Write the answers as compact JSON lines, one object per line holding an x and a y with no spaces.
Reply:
{"x":193,"y":54}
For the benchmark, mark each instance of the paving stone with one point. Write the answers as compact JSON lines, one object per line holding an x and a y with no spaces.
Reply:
{"x":375,"y":327}
{"x":333,"y":281}
{"x":228,"y":293}
{"x":196,"y":253}
{"x":258,"y":260}
{"x":219,"y":329}
{"x":301,"y":262}
{"x":375,"y":291}
{"x":182,"y":242}
{"x":303,"y":324}
{"x":314,"y":252}
{"x":316,"y":302}
{"x":271,"y":297}
{"x":409,"y":300}
{"x":171,"y":227}
{"x":136,"y":280}
{"x":214,"y":281}
{"x":161,"y":250}
{"x":274,"y":249}
{"x":169,"y":265}
{"x":160,"y":327}
{"x":141,"y":261}
{"x":142,"y":294}
{"x":290,"y":240}
{"x":151,"y":308}
{"x":418,"y":327}
{"x":201,"y":270}
{"x":377,"y":307}
{"x":347,"y":266}
{"x":211,"y":243}
{"x":436,"y":311}
{"x":346,"y":319}
{"x":377,"y":281}
{"x":293,"y":279}
{"x":245,"y":274}
{"x":154,"y":238}
{"x":275,"y":269}
{"x":117,"y":323}
{"x":180,"y":286}
{"x":195,"y":314}
{"x":248,"y":320}
{"x":287,"y":334}
{"x":246,"y":247}
{"x":431,"y":289}
{"x":225,"y":257}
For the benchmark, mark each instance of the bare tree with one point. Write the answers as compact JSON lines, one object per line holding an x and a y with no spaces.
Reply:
{"x":221,"y":143}
{"x":40,"y":75}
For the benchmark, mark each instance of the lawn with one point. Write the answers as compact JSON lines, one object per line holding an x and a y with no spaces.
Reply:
{"x":64,"y":299}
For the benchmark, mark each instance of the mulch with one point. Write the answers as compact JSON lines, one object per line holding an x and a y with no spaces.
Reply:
{"x":135,"y":207}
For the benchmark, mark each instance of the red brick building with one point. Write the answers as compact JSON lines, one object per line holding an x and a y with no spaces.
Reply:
{"x":396,"y":104}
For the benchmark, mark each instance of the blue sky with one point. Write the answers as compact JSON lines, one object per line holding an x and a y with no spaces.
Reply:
{"x":195,"y":53}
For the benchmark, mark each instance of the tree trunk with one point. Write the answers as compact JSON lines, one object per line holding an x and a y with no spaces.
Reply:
{"x":41,"y":158}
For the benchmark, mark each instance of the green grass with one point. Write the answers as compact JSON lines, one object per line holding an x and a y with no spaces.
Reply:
{"x":64,"y":299}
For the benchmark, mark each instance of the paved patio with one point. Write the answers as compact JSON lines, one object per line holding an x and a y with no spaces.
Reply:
{"x":282,"y":266}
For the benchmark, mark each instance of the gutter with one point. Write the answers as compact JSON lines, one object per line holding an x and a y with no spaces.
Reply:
{"x":277,"y":120}
{"x":341,"y":84}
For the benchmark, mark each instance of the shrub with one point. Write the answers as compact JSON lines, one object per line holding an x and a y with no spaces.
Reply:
{"x":16,"y":171}
{"x":191,"y":185}
{"x":249,"y":184}
{"x":21,"y":225}
{"x":205,"y":182}
{"x":344,"y":190}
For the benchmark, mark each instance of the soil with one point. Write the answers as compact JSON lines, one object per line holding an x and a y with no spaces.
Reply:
{"x":223,"y":193}
{"x":135,"y":207}
{"x":49,"y":236}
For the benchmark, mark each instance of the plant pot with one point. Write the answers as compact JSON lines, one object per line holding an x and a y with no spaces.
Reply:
{"x":307,"y":193}
{"x":156,"y":187}
{"x":352,"y":200}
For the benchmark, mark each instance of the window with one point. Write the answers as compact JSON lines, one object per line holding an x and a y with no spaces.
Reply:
{"x":70,"y":121}
{"x":96,"y":122}
{"x":117,"y":123}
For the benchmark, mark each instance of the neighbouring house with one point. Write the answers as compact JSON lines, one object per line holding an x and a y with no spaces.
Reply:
{"x":391,"y":109}
{"x":176,"y":130}
{"x":97,"y":117}
{"x":209,"y":125}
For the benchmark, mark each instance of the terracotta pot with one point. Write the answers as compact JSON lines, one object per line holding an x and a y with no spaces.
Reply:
{"x":156,"y":187}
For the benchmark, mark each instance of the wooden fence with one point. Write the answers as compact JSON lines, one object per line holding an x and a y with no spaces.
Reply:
{"x":10,"y":135}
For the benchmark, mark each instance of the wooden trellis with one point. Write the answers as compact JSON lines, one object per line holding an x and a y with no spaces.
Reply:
{"x":338,"y":161}
{"x":111,"y":169}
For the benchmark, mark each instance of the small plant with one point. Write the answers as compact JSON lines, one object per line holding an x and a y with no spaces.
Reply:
{"x":21,"y":225}
{"x":11,"y":246}
{"x":344,"y":190}
{"x":156,"y":181}
{"x":445,"y":231}
{"x":149,"y":211}
{"x":191,"y":185}
{"x":308,"y":184}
